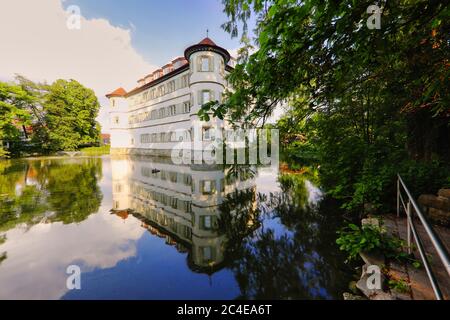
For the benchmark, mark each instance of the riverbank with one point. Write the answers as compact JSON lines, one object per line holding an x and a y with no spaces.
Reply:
{"x":401,"y":279}
{"x":89,"y":151}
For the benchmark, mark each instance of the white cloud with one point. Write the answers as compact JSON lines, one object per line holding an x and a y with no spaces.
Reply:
{"x":36,"y":43}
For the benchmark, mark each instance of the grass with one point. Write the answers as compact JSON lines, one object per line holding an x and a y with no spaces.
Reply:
{"x":96,"y":150}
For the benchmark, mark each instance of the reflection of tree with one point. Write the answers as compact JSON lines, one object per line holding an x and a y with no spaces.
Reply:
{"x":300,"y":261}
{"x":238,"y":220}
{"x":3,"y":255}
{"x":73,"y":190}
{"x":67,"y":191}
{"x":239,"y":172}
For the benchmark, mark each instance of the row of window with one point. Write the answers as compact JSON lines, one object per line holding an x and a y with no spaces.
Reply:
{"x":165,"y":221}
{"x":204,"y":96}
{"x":206,"y":222}
{"x":208,"y":134}
{"x":163,"y":89}
{"x":162,"y":198}
{"x":204,"y":64}
{"x":161,"y":113}
{"x":172,"y":176}
{"x":175,"y":136}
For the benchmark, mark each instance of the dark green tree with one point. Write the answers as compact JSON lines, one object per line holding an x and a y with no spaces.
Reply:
{"x":369,"y":103}
{"x":70,"y":111}
{"x":13,"y":114}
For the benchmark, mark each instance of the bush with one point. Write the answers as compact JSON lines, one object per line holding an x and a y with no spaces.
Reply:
{"x":355,"y":240}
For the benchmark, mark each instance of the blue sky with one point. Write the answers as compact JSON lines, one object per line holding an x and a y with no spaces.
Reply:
{"x":117,"y":43}
{"x":162,"y":29}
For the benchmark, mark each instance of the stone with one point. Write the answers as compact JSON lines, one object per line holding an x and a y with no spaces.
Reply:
{"x":352,"y":287}
{"x":349,"y":296}
{"x":382,"y":296}
{"x":445,"y":193}
{"x":370,"y":222}
{"x":373,"y":258}
{"x":372,"y":294}
{"x":439,"y":216}
{"x":437,"y":202}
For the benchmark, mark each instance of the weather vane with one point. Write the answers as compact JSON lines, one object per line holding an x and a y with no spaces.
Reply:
{"x":207,"y":33}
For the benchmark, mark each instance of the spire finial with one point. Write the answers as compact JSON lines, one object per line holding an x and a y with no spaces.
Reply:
{"x":207,"y":33}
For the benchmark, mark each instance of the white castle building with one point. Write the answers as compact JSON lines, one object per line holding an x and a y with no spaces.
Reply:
{"x":161,"y":112}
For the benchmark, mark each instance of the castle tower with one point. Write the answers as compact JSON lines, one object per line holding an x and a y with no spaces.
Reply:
{"x":120,"y":137}
{"x":207,"y":83}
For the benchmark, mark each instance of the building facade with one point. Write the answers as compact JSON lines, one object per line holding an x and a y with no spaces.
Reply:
{"x":161,"y":112}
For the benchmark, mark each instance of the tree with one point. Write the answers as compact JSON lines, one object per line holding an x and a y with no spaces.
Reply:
{"x":375,"y":101}
{"x":13,"y":115}
{"x":70,"y":111}
{"x":61,"y":115}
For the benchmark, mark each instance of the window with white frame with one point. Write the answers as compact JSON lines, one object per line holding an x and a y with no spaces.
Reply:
{"x":172,"y":110}
{"x":208,"y":134}
{"x":185,"y":81}
{"x":171,"y":86}
{"x":222,"y":67}
{"x":162,"y":90}
{"x":204,"y":64}
{"x":206,"y":96}
{"x":162,"y":113}
{"x":187,"y":107}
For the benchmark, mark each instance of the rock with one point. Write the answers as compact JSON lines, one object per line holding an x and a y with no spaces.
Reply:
{"x":445,"y":193}
{"x":370,"y":222}
{"x":352,"y":287}
{"x":439,"y":216}
{"x":349,"y":296}
{"x":373,"y":258}
{"x":432,"y":201}
{"x":382,"y":296}
{"x":401,"y":295}
{"x":369,"y":208}
{"x":373,"y":294}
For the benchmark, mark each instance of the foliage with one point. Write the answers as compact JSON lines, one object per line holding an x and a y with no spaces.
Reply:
{"x":13,"y":115}
{"x":279,"y":246}
{"x":66,"y":192}
{"x":96,"y":150}
{"x":362,"y":104}
{"x":70,"y":112}
{"x":399,"y":285}
{"x":355,"y":240}
{"x":45,"y":118}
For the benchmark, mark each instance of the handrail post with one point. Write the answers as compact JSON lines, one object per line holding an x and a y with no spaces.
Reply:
{"x":408,"y":226}
{"x":398,"y":197}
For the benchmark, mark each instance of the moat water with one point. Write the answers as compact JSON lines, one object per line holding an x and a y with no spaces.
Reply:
{"x":141,"y":228}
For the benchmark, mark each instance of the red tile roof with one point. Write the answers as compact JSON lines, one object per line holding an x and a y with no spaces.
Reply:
{"x":207,"y":41}
{"x":119,"y":92}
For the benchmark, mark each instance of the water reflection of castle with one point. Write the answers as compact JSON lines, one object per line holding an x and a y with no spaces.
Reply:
{"x":177,"y":202}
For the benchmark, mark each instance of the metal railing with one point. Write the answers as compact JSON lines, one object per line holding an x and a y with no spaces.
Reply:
{"x":412,"y":210}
